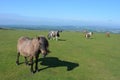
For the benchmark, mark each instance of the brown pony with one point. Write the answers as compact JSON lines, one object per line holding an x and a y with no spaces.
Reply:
{"x":107,"y":34}
{"x":31,"y":48}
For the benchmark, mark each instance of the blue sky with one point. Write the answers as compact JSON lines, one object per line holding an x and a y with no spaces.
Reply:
{"x":104,"y":12}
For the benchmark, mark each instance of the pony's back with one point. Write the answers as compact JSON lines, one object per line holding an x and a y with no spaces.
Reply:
{"x":26,"y":46}
{"x":23,"y":39}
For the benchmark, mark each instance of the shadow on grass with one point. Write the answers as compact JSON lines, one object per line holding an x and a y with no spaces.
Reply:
{"x":61,"y":40}
{"x":51,"y":62}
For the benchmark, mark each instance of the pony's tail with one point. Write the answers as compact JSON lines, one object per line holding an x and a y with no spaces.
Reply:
{"x":48,"y":36}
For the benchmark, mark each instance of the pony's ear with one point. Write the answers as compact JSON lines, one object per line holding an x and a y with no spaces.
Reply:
{"x":38,"y":38}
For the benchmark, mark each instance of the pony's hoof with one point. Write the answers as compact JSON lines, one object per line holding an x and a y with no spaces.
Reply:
{"x":26,"y":64}
{"x":37,"y":70}
{"x":29,"y":64}
{"x":17,"y":63}
{"x":33,"y":72}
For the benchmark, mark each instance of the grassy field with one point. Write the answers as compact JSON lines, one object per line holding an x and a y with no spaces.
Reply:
{"x":73,"y":57}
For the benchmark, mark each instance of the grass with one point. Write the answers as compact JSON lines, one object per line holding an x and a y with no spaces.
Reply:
{"x":73,"y":57}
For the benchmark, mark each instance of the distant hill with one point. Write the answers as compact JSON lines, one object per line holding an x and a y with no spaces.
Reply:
{"x":69,"y":27}
{"x":3,"y":28}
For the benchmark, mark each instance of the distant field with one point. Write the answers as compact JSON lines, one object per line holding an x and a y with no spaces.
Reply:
{"x":73,"y":57}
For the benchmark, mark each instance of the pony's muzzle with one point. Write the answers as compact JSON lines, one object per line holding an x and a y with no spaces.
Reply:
{"x":44,"y":52}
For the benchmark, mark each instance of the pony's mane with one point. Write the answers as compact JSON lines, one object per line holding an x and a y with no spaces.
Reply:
{"x":44,"y":40}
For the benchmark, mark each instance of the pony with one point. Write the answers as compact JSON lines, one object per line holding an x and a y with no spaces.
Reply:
{"x":88,"y":34}
{"x":54,"y":35}
{"x":107,"y":34}
{"x":31,"y":48}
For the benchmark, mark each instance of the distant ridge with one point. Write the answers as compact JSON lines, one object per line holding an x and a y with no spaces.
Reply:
{"x":3,"y":28}
{"x":69,"y":27}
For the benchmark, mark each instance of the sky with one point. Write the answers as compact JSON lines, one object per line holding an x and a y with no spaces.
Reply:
{"x":73,"y":12}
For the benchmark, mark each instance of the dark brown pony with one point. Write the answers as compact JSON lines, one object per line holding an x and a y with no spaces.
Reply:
{"x":30,"y":48}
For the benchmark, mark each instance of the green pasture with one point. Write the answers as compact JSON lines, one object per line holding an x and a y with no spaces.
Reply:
{"x":72,"y":57}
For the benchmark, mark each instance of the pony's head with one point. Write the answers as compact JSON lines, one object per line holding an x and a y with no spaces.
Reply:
{"x":43,"y":45}
{"x":92,"y":33}
{"x":57,"y":34}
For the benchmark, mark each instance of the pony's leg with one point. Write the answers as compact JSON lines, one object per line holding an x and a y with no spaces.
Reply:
{"x":26,"y":62}
{"x":36,"y":62}
{"x":31,"y":63}
{"x":56,"y":38}
{"x":17,"y":61}
{"x":85,"y":36}
{"x":52,"y":38}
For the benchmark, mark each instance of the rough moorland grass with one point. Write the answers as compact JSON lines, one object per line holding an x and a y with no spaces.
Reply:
{"x":73,"y":57}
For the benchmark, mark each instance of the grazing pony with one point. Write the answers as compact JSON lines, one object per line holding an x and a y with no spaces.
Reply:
{"x":54,"y":35}
{"x":30,"y":48}
{"x":88,"y":34}
{"x":107,"y":34}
